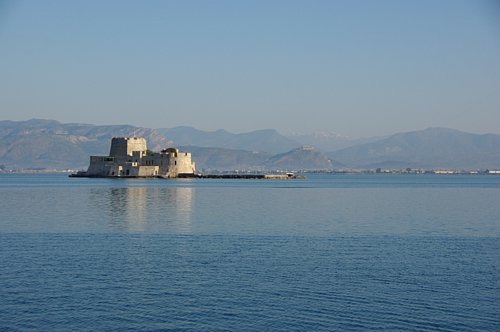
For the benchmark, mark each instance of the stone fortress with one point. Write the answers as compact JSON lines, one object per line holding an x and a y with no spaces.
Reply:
{"x":130,"y":157}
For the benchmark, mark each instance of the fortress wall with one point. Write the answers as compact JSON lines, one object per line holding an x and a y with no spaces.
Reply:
{"x":149,"y":171}
{"x":171,"y":163}
{"x":162,"y":161}
{"x":130,"y":169}
{"x":100,"y":165}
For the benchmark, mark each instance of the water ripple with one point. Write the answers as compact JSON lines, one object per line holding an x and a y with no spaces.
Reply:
{"x":162,"y":282}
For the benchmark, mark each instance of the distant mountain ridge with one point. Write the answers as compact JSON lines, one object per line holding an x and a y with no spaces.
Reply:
{"x":220,"y":159}
{"x":51,"y":144}
{"x":265,"y":140}
{"x":429,"y":148}
{"x":328,"y":141}
{"x":48,"y":143}
{"x":306,"y":158}
{"x":209,"y":159}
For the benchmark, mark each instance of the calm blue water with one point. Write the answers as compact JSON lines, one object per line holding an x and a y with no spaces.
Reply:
{"x":332,"y":252}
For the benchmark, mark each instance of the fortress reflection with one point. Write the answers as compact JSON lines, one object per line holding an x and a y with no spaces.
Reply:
{"x":143,"y":209}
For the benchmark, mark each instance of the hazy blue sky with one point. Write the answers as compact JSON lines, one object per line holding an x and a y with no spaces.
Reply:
{"x":358,"y":68}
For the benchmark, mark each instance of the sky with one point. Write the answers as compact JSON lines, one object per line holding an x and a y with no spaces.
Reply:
{"x":356,"y":68}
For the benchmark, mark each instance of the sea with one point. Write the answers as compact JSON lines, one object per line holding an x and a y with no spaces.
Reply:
{"x":331,"y":252}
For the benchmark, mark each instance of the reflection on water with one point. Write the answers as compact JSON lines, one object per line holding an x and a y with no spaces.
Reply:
{"x":449,"y":206}
{"x":320,"y":255}
{"x":137,"y":209}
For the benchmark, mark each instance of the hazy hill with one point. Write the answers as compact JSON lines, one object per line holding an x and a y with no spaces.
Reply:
{"x":328,"y":141}
{"x":50,"y":144}
{"x":303,"y":158}
{"x":267,"y":140}
{"x":221,"y":159}
{"x":429,"y":148}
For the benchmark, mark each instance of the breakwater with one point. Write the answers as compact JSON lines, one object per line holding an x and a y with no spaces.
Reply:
{"x":243,"y":176}
{"x":202,"y":176}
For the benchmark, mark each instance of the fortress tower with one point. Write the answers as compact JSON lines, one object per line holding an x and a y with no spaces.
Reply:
{"x":126,"y":146}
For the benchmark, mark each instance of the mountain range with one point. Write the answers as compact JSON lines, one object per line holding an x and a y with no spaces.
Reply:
{"x":266,"y":140}
{"x":50,"y":144}
{"x":429,"y":148}
{"x":328,"y":141}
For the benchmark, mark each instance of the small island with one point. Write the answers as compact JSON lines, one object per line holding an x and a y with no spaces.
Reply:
{"x":129,"y":157}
